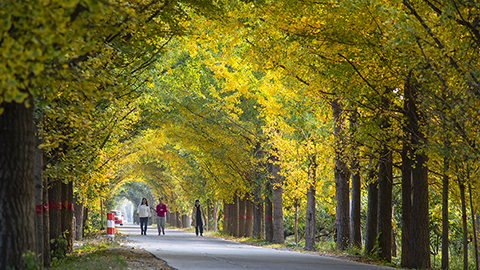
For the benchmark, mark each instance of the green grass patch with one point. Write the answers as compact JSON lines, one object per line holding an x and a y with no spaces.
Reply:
{"x":99,"y":259}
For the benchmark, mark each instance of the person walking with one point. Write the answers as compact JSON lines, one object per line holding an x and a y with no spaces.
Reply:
{"x":143,"y":212}
{"x":161,"y":210}
{"x":198,"y":218}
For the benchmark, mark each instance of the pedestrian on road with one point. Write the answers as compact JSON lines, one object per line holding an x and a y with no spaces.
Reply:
{"x":143,"y":212}
{"x":161,"y":210}
{"x":198,"y":218}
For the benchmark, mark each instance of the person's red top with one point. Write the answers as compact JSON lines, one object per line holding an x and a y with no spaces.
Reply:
{"x":161,"y":210}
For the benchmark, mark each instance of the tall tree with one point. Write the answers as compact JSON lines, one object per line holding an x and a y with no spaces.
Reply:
{"x":342,"y":175}
{"x":17,"y":152}
{"x":310,"y":224}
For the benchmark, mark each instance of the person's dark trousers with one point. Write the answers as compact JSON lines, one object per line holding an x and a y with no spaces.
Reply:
{"x":199,"y":227}
{"x":143,"y":225}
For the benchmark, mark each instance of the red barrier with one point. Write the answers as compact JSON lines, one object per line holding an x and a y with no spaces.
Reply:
{"x":111,"y":225}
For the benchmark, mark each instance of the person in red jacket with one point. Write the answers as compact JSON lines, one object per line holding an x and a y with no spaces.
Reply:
{"x":161,"y":210}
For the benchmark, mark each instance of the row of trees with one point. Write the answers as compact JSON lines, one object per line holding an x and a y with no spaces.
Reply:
{"x":305,"y":107}
{"x":378,"y":96}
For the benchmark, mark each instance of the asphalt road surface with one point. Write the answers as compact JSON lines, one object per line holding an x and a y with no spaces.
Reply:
{"x":185,"y":251}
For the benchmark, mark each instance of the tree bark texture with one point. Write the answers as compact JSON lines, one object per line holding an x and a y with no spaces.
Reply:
{"x":242,"y":216}
{"x":55,"y":213}
{"x":461,"y":186}
{"x":47,"y":259}
{"x":445,"y":195}
{"x":78,"y":213}
{"x":355,"y":212}
{"x":419,"y":222}
{"x":17,"y":206}
{"x":39,"y":209}
{"x":474,"y":236}
{"x":236,"y":211}
{"x":231,"y":220}
{"x":342,"y":175}
{"x":384,"y":219}
{"x":277,"y":192}
{"x":372,"y":210}
{"x":67,"y":214}
{"x":406,"y":199}
{"x":268,"y":215}
{"x":257,"y":214}
{"x":310,"y":219}
{"x":249,"y":216}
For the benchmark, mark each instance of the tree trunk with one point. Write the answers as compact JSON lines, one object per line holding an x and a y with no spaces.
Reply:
{"x":209,"y":214}
{"x":355,"y":213}
{"x":85,"y":220}
{"x":17,"y":150}
{"x":67,"y":214}
{"x":225,"y":217}
{"x":384,"y":219}
{"x":472,"y":210}
{"x":55,"y":196}
{"x":257,"y":214}
{"x":242,"y":216}
{"x":419,"y":222}
{"x":47,"y":259}
{"x":277,"y":191}
{"x":39,"y":209}
{"x":310,"y":220}
{"x":249,"y":217}
{"x":215,"y":217}
{"x":231,"y":220}
{"x":296,"y":222}
{"x":406,"y":198}
{"x":78,"y":213}
{"x":342,"y":175}
{"x":372,"y":210}
{"x":268,"y":214}
{"x":445,"y":194}
{"x":236,"y":211}
{"x":464,"y":222}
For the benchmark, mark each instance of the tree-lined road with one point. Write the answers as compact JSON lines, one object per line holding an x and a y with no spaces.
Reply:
{"x":183,"y":250}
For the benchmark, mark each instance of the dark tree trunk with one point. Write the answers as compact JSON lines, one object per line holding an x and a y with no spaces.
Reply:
{"x":257,"y":214}
{"x":268,"y":214}
{"x":342,"y":175}
{"x":419,"y":225}
{"x":67,"y":214}
{"x":225,"y":217}
{"x":310,"y":220}
{"x":277,"y":191}
{"x":55,"y":213}
{"x":384,"y":219}
{"x":241,"y":216}
{"x":355,"y":216}
{"x":231,"y":212}
{"x":17,"y":150}
{"x":419,"y":222}
{"x":372,"y":210}
{"x":249,"y":217}
{"x":445,"y":195}
{"x":474,"y":236}
{"x":39,"y":209}
{"x":208,"y":214}
{"x":78,"y":213}
{"x":406,"y":198}
{"x":47,"y":259}
{"x":464,"y":223}
{"x":85,"y":220}
{"x":236,"y":211}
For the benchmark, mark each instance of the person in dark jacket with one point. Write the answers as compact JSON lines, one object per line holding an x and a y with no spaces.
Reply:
{"x":198,"y":218}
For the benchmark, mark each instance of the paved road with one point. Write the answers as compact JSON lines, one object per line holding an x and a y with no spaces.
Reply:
{"x":184,"y":251}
